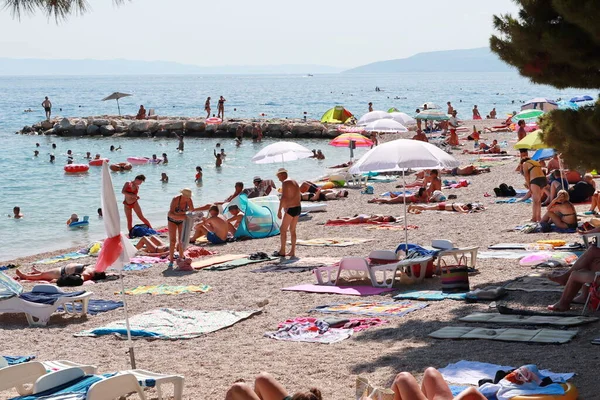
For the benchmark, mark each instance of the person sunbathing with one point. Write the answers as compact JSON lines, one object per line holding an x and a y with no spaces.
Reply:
{"x":443,"y":206}
{"x":323,"y":195}
{"x":152,"y":246}
{"x":561,"y":212}
{"x":493,"y":148}
{"x":419,"y":197}
{"x":237,"y":216}
{"x":362,"y":219}
{"x":465,"y":170}
{"x":583,"y":271}
{"x":266,"y":387}
{"x":87,"y":273}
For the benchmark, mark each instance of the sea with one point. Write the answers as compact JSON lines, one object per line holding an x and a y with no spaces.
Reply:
{"x":47,"y":196}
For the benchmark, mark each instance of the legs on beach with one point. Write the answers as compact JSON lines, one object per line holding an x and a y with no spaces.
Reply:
{"x":265,"y":388}
{"x":38,"y":276}
{"x":174,"y":242}
{"x":536,"y":198}
{"x":140,"y":214}
{"x":555,"y":219}
{"x":583,"y":271}
{"x":574,"y":284}
{"x":434,"y":387}
{"x":595,"y":202}
{"x":288,"y":222}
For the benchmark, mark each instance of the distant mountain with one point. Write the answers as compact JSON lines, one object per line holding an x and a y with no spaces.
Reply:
{"x":467,"y":60}
{"x":32,"y":66}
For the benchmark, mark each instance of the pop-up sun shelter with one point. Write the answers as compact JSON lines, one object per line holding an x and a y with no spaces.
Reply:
{"x":260,"y":216}
{"x":336,"y":115}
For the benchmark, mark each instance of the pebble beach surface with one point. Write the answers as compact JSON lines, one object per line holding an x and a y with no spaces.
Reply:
{"x":213,"y":362}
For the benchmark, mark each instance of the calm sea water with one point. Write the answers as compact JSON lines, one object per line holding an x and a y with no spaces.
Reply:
{"x":47,"y":196}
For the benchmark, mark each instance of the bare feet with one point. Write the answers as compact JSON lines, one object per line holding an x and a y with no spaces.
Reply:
{"x":560,"y":279}
{"x":581,"y":299}
{"x":19,"y":273}
{"x":558,"y":307}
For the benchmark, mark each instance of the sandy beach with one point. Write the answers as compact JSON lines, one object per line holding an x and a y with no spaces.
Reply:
{"x":213,"y":362}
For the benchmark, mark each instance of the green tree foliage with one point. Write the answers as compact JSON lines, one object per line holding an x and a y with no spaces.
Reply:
{"x":58,"y":9}
{"x":557,"y":42}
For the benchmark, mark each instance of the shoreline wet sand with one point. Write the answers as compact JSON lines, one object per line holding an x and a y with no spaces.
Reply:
{"x":213,"y":362}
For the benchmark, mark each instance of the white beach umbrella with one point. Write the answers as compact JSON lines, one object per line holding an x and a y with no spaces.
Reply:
{"x":386,"y":126}
{"x":400,"y":155}
{"x":373,"y":116}
{"x":403,"y":118}
{"x":116,"y":249}
{"x":281,"y":152}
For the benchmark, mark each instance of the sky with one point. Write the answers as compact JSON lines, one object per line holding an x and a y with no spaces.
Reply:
{"x":345,"y":33}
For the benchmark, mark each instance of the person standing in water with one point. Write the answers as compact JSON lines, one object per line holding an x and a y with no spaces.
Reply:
{"x":130,"y":191}
{"x":370,"y":106}
{"x":207,"y":107}
{"x":221,"y":108}
{"x":218,"y":159}
{"x":290,"y":205}
{"x":476,"y":114}
{"x":181,"y":145}
{"x":47,"y":104}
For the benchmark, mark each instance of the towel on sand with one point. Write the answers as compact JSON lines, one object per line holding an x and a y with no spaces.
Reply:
{"x":390,"y":227}
{"x":96,"y":306}
{"x":146,"y":260}
{"x":168,"y":323}
{"x":136,"y":267}
{"x":302,"y":264}
{"x":62,"y":257}
{"x":430,"y":295}
{"x":240,"y":262}
{"x":167,"y":289}
{"x":386,"y":308}
{"x":534,"y":283}
{"x":333,"y":242}
{"x":207,"y":262}
{"x":14,"y":360}
{"x":309,"y":330}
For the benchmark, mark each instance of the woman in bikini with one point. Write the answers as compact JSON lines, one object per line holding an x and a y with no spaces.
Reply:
{"x":535,"y":181}
{"x":87,"y":272}
{"x":221,"y":107}
{"x":152,"y":246}
{"x":207,"y":107}
{"x":419,"y":197}
{"x":561,"y":213}
{"x":180,"y":206}
{"x":363,"y":219}
{"x":130,"y":191}
{"x":323,"y":195}
{"x":444,"y":206}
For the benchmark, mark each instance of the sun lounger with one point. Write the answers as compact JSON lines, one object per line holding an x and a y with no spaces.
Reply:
{"x":39,"y":304}
{"x":587,"y":236}
{"x":448,"y":249}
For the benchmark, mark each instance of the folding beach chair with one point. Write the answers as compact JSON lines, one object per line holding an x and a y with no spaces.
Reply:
{"x":593,"y":298}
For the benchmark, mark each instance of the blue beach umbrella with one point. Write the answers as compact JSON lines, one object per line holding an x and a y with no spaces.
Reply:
{"x":543,"y":154}
{"x":578,"y":99}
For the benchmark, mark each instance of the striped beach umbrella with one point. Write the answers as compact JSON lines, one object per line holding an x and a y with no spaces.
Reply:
{"x":432,"y":115}
{"x":344,"y":140}
{"x":527,"y":116}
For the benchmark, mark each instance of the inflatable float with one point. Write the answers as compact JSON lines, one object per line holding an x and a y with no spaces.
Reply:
{"x":80,"y":224}
{"x":124,"y":166}
{"x":571,"y":393}
{"x":213,"y":121}
{"x":312,"y":207}
{"x":138,"y":160}
{"x":76,"y":168}
{"x":98,"y":162}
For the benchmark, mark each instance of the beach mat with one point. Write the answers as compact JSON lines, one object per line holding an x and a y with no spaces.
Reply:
{"x":308,"y":331}
{"x":302,"y":264}
{"x":505,"y":254}
{"x":528,"y":320}
{"x":217,"y":260}
{"x":534,"y":283}
{"x":168,"y":324}
{"x":333,"y":242}
{"x":14,"y":360}
{"x":95,"y":306}
{"x":391,"y":227}
{"x":373,"y":309}
{"x":240,"y":262}
{"x":60,"y":258}
{"x":430,"y":295}
{"x":508,"y":246}
{"x":166,"y":289}
{"x":506,"y":334}
{"x":347,"y":290}
{"x":136,"y":267}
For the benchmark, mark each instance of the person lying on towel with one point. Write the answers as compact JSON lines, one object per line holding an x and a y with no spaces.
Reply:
{"x":63,"y":274}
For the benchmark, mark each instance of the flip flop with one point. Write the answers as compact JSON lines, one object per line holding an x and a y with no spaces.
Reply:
{"x":277,"y":254}
{"x":486,"y":194}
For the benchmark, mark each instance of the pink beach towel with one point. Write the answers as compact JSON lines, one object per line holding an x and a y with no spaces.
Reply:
{"x":347,"y":290}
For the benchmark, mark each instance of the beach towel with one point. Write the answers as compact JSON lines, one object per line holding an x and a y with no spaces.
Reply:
{"x":374,"y":309}
{"x":508,"y":246}
{"x":534,"y":227}
{"x":14,"y":360}
{"x":333,"y":242}
{"x":207,"y":262}
{"x":9,"y":287}
{"x":167,"y":289}
{"x":146,"y":260}
{"x":282,"y":268}
{"x":506,"y":334}
{"x":430,"y":295}
{"x":95,"y":306}
{"x":73,"y":390}
{"x":404,"y":193}
{"x":60,"y":258}
{"x":471,"y":372}
{"x":505,"y":254}
{"x":347,"y":290}
{"x":309,"y":330}
{"x":528,"y":320}
{"x":534,"y":283}
{"x":524,"y":381}
{"x":240,"y":262}
{"x":197,"y":251}
{"x":301,"y":264}
{"x":47,"y":298}
{"x":390,"y":227}
{"x":512,"y":200}
{"x":168,"y":323}
{"x":136,"y":267}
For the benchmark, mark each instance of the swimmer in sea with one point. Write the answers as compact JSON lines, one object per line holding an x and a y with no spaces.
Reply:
{"x":16,"y":213}
{"x":100,"y":213}
{"x":164,"y":178}
{"x":218,"y":159}
{"x":223,"y":155}
{"x":154,"y":160}
{"x":52,"y":158}
{"x":36,"y":153}
{"x":53,"y":145}
{"x":88,"y":156}
{"x":198,"y":174}
{"x":37,"y":145}
{"x":165,"y":160}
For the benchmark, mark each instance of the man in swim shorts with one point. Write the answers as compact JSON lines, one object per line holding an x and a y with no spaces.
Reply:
{"x":47,"y":104}
{"x":215,"y":228}
{"x":290,"y":203}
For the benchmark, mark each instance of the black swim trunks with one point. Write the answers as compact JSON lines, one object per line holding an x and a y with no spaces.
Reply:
{"x":77,"y":271}
{"x":539,"y":181}
{"x":294,"y":211}
{"x":47,"y":109}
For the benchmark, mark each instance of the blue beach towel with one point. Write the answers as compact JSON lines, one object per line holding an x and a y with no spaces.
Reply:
{"x":47,"y":298}
{"x":512,"y":200}
{"x":14,"y":360}
{"x":421,"y":251}
{"x":405,"y":193}
{"x":96,"y":306}
{"x":136,"y":267}
{"x":430,"y":295}
{"x":73,"y":390}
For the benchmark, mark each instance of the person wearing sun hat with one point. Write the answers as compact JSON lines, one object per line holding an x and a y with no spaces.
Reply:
{"x":180,"y":206}
{"x":290,"y":204}
{"x":263,"y":187}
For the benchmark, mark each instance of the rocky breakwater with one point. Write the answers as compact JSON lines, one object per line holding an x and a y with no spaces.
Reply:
{"x":172,"y":126}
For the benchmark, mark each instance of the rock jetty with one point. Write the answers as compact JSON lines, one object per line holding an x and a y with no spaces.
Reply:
{"x":122,"y":126}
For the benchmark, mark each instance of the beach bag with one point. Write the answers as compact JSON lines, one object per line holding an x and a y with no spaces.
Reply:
{"x":455,"y":278}
{"x":141,"y":230}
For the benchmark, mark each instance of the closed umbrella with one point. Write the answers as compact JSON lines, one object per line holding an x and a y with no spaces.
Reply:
{"x":403,"y":118}
{"x":373,"y":116}
{"x":281,"y":152}
{"x":386,"y":126}
{"x":432,"y":115}
{"x":116,"y":249}
{"x":400,"y":155}
{"x":116,"y":96}
{"x":532,"y":141}
{"x":527,"y":116}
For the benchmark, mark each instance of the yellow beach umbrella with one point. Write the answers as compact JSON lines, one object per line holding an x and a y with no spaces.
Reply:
{"x":532,"y":141}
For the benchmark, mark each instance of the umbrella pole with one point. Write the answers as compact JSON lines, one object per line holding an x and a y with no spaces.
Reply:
{"x":119,"y":107}
{"x":405,"y":222}
{"x":131,"y":353}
